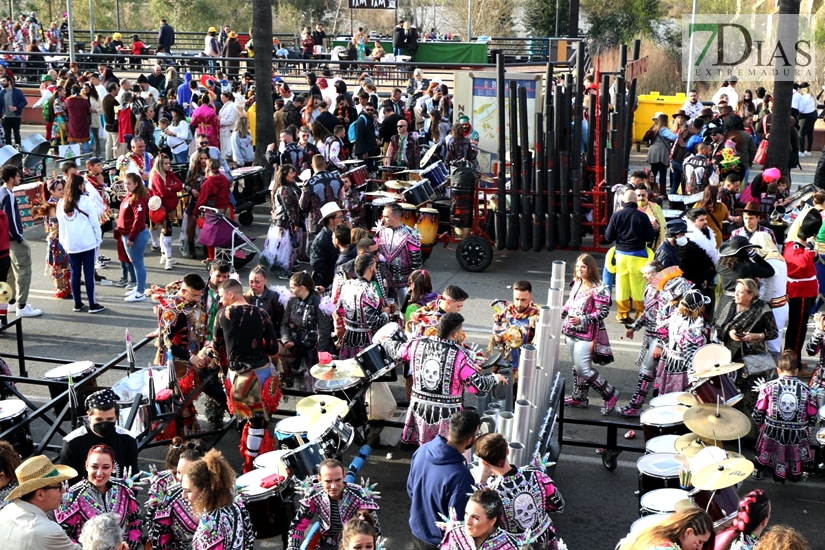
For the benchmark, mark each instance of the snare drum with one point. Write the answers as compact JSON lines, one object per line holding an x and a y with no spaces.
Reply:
{"x":358,"y":176}
{"x":658,"y":471}
{"x":428,"y":229}
{"x":409,"y":213}
{"x":436,"y":173}
{"x":303,"y":462}
{"x":721,"y":387}
{"x":11,"y":412}
{"x":661,"y":501}
{"x":263,"y":503}
{"x":373,"y":361}
{"x":662,"y":444}
{"x":272,"y":461}
{"x":290,"y":432}
{"x":77,"y":371}
{"x":334,"y":437}
{"x":664,"y":420}
{"x":346,"y":389}
{"x":665,"y":399}
{"x":722,"y":505}
{"x":419,"y":193}
{"x":647,"y":522}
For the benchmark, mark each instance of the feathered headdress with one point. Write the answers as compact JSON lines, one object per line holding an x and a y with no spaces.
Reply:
{"x":665,"y":275}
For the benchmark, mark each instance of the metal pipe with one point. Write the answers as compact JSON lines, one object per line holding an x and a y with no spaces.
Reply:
{"x":631,"y":110}
{"x":482,"y":401}
{"x":564,"y":164}
{"x":503,"y":393}
{"x":540,"y":178}
{"x":516,"y":453}
{"x":576,"y":152}
{"x":522,"y":422}
{"x":526,"y":212}
{"x":551,"y":225}
{"x":500,"y":222}
{"x":515,"y":174}
{"x":505,"y":425}
{"x":557,"y":277}
{"x":526,"y":370}
{"x":70,"y":23}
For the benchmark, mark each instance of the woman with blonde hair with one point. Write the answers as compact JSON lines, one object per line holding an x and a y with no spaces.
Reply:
{"x":241,"y":143}
{"x":690,"y":529}
{"x":586,"y":336}
{"x":782,"y":537}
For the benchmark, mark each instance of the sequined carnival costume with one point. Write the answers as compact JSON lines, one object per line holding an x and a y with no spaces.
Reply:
{"x":57,"y":261}
{"x":441,"y":371}
{"x":84,"y":501}
{"x":360,"y":306}
{"x":524,"y":321}
{"x":685,"y":337}
{"x":786,"y":411}
{"x":646,"y":362}
{"x":170,"y":520}
{"x":317,"y":504}
{"x":457,"y":538}
{"x":227,"y":528}
{"x":401,"y":246}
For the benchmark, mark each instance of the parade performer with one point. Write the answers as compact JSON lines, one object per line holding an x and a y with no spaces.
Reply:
{"x":647,"y":322}
{"x":306,"y":329}
{"x":359,"y":533}
{"x":815,"y":346}
{"x":480,"y":529}
{"x":527,"y":493}
{"x":399,"y":245}
{"x":687,"y":332}
{"x":209,"y":485}
{"x":334,"y":502}
{"x":786,"y":412}
{"x":651,"y":209}
{"x":631,"y":230}
{"x":245,"y":335}
{"x":9,"y":461}
{"x":424,"y":320}
{"x":137,"y":161}
{"x":286,"y":227}
{"x":802,"y":284}
{"x":586,"y":336}
{"x":514,"y":325}
{"x":165,"y":185}
{"x":749,"y":523}
{"x":57,"y":261}
{"x":690,"y":529}
{"x":169,"y":516}
{"x":98,"y":494}
{"x":361,"y":308}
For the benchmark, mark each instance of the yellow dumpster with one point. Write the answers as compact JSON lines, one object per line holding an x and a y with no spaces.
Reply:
{"x":649,"y":105}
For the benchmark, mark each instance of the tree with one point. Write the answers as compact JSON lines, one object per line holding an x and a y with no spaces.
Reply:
{"x":780,"y":131}
{"x":262,"y":37}
{"x":619,"y":22}
{"x":540,"y":17}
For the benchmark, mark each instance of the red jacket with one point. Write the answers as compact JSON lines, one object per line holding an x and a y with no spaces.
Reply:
{"x":167,"y":191}
{"x":801,"y":262}
{"x":131,"y":220}
{"x":214,"y":193}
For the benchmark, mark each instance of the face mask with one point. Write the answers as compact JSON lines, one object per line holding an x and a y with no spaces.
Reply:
{"x":103,"y":429}
{"x":681,"y":241}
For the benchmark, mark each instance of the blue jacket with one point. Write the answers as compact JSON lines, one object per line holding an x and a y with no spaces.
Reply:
{"x":439,"y":480}
{"x":185,"y":93}
{"x":630,"y":229}
{"x":18,"y":100}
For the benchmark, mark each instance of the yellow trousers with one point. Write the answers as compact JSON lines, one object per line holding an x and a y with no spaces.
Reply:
{"x":630,"y":285}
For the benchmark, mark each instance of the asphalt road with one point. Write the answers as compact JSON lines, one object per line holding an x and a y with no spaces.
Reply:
{"x":600,"y":504}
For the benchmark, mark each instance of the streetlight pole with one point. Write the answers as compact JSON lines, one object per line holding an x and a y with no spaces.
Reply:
{"x":691,"y":52}
{"x":91,"y":24}
{"x":469,"y":20}
{"x":70,"y":23}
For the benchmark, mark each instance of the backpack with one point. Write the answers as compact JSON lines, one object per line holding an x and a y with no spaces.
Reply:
{"x":351,"y":130}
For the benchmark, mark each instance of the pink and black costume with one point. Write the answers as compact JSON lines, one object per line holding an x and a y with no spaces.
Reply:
{"x":332,"y":514}
{"x":813,"y":347}
{"x":227,"y":528}
{"x":441,"y":371}
{"x":170,"y":519}
{"x":456,"y":538}
{"x":685,"y":337}
{"x":588,"y":343}
{"x":525,"y":321}
{"x":84,"y":501}
{"x":528,"y":495}
{"x":786,"y":411}
{"x":648,"y":322}
{"x":401,"y":246}
{"x":360,"y":307}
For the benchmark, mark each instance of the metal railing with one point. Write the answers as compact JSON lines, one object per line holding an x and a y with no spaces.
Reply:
{"x":184,"y":41}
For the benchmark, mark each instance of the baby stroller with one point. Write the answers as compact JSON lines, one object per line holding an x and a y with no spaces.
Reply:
{"x":225,"y":236}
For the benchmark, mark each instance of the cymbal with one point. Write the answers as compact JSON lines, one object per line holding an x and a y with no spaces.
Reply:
{"x":687,"y":399}
{"x":709,"y":355}
{"x":408,"y":171}
{"x":716,"y":370}
{"x":377,"y":157}
{"x":378,"y":194}
{"x":684,"y":504}
{"x":726,"y":474}
{"x":428,"y":155}
{"x":726,"y":425}
{"x":394,"y":184}
{"x":337,"y":370}
{"x":688,"y":445}
{"x":317,"y":407}
{"x":353,"y":161}
{"x":492,"y":360}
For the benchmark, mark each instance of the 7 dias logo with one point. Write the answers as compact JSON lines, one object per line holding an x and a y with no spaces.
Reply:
{"x":754,"y":47}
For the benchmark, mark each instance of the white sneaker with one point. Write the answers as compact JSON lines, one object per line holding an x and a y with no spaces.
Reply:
{"x":170,"y":265}
{"x":135,"y":298}
{"x":29,"y":311}
{"x":162,"y":259}
{"x":130,"y":292}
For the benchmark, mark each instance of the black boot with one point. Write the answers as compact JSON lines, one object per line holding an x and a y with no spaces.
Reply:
{"x":192,"y":253}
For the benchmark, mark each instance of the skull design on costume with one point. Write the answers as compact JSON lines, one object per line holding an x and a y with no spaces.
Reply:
{"x":525,"y":510}
{"x":430,"y":374}
{"x":787,"y":405}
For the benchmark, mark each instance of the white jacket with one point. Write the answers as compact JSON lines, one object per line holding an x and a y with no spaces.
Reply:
{"x":79,"y":232}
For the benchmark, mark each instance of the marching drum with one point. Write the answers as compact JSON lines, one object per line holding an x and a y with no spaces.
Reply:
{"x":303,"y":462}
{"x":428,"y":229}
{"x":409,"y":214}
{"x":358,"y":176}
{"x":77,"y":371}
{"x":334,"y":436}
{"x":722,"y":505}
{"x":662,"y":444}
{"x":375,"y":209}
{"x":661,"y":501}
{"x":436,"y":173}
{"x":346,"y":389}
{"x":720,"y":387}
{"x":658,"y":471}
{"x":664,"y":420}
{"x":419,"y":193}
{"x":290,"y":432}
{"x":671,"y":398}
{"x":273,"y":461}
{"x":259,"y":490}
{"x":11,"y":412}
{"x":647,"y":521}
{"x":374,"y":361}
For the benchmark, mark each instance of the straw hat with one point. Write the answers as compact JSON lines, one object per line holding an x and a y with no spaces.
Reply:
{"x":155,"y":202}
{"x":38,"y":472}
{"x":329,"y":209}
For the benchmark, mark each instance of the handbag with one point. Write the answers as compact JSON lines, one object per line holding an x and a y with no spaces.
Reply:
{"x":761,"y":153}
{"x":761,"y":363}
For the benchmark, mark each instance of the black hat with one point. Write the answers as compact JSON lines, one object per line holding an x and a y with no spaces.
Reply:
{"x":178,"y":109}
{"x":676,"y":227}
{"x":733,"y":245}
{"x":810,"y":225}
{"x":102,"y":399}
{"x":694,"y":299}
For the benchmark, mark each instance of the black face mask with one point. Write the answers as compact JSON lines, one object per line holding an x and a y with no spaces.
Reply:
{"x":103,"y":429}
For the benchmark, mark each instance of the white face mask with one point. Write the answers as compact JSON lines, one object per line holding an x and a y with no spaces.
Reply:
{"x":681,"y":241}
